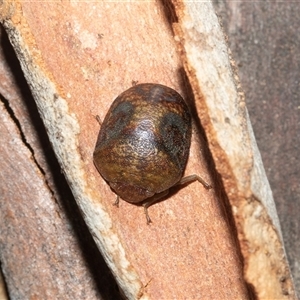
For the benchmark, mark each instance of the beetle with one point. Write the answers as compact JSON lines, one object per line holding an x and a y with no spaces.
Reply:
{"x":143,"y":144}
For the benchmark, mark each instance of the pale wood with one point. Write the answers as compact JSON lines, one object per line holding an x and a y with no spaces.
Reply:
{"x":221,"y":107}
{"x":77,"y":57}
{"x":46,"y":251}
{"x":263,"y":38}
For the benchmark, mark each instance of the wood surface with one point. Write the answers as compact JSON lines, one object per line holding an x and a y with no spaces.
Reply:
{"x":202,"y":244}
{"x":264,"y":41}
{"x":46,"y":250}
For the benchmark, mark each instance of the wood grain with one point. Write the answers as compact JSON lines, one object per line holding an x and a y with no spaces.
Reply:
{"x":263,"y":38}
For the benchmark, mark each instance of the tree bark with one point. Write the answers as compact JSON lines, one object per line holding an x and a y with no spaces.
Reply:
{"x":45,"y":246}
{"x":263,"y":38}
{"x":76,"y":58}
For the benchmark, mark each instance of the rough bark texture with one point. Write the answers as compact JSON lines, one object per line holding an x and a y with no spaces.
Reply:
{"x":231,"y":141}
{"x":77,"y":57}
{"x":264,"y":40}
{"x":46,"y":250}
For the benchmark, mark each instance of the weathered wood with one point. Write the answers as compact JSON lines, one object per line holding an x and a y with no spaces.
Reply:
{"x":46,"y":251}
{"x":76,"y":63}
{"x":264,"y":40}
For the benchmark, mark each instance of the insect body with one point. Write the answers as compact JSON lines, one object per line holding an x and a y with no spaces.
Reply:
{"x":143,"y":144}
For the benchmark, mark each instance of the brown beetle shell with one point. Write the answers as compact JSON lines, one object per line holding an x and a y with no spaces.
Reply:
{"x":144,"y":142}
